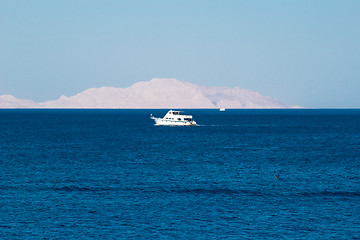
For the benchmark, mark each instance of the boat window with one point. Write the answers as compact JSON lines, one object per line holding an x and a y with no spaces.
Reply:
{"x":179,"y":119}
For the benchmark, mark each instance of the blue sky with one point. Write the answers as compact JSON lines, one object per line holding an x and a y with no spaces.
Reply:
{"x":304,"y":53}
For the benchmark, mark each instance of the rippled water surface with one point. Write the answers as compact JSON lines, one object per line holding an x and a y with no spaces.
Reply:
{"x":112,"y":174}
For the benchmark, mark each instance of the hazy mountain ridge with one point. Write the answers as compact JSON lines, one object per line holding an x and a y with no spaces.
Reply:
{"x":157,"y":93}
{"x":9,"y":101}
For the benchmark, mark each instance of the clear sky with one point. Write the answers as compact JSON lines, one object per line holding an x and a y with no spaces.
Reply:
{"x":304,"y":53}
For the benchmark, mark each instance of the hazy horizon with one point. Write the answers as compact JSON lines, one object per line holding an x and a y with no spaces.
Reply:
{"x":304,"y":53}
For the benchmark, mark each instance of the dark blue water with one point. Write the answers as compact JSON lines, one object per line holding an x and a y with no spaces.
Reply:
{"x":112,"y":174}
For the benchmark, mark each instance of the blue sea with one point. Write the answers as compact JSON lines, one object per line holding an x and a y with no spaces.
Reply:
{"x":240,"y":174}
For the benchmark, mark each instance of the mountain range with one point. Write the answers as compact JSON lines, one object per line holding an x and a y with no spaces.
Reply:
{"x":157,"y":93}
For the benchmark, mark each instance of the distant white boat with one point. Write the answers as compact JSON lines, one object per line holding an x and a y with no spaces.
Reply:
{"x":222,"y":110}
{"x":174,"y":118}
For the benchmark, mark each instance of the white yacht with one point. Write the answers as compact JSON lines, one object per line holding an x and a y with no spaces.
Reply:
{"x":174,"y":118}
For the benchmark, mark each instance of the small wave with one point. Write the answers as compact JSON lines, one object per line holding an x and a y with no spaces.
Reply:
{"x":228,"y":191}
{"x":332,"y":194}
{"x":4,"y":226}
{"x":81,"y":189}
{"x":73,"y":189}
{"x":223,"y":125}
{"x":5,"y":187}
{"x":214,"y":191}
{"x":208,"y":191}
